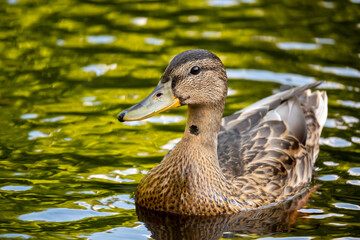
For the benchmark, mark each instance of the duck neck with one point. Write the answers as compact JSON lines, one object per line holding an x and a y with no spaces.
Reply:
{"x":203,"y":125}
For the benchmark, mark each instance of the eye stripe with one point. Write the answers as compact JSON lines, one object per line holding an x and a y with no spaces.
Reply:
{"x":165,"y":79}
{"x":175,"y":81}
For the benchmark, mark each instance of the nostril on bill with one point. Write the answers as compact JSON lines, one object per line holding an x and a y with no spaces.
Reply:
{"x":159,"y":94}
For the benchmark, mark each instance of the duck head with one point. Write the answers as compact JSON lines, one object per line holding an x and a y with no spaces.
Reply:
{"x":194,"y":77}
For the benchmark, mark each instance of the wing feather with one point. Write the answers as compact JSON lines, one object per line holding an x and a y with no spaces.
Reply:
{"x":273,"y":143}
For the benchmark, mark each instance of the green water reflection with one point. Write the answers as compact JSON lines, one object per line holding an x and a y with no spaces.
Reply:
{"x":68,"y":168}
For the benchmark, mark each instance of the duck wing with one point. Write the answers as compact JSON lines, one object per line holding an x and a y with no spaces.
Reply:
{"x":268,"y":148}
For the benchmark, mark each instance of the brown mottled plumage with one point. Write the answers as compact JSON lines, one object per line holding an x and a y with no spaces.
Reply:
{"x":269,"y":221}
{"x":259,"y":156}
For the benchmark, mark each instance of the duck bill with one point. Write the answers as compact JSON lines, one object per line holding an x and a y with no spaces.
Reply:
{"x":159,"y":100}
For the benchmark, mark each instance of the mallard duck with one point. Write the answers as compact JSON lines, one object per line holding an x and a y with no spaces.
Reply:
{"x":254,"y":158}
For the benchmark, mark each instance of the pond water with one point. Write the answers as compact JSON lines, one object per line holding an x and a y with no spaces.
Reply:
{"x":68,"y":168}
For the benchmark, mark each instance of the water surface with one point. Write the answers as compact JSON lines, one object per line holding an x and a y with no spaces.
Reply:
{"x":68,"y":168}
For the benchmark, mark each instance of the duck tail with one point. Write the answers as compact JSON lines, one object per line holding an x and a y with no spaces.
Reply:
{"x":317,"y":102}
{"x":315,"y":109}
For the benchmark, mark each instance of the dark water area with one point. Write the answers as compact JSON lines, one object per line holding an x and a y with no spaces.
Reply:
{"x":68,"y":168}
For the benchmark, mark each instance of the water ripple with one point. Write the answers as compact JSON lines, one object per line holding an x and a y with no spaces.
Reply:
{"x":264,"y":75}
{"x":297,"y":46}
{"x":29,"y":116}
{"x":349,"y":103}
{"x":171,"y":144}
{"x":16,"y":188}
{"x":334,"y":142}
{"x":223,"y":3}
{"x":283,"y":78}
{"x":139,"y":232}
{"x":286,"y":238}
{"x":110,"y":178}
{"x":54,"y":119}
{"x":231,"y":92}
{"x":100,"y":39}
{"x":355,"y":171}
{"x":15,"y":235}
{"x":164,"y":119}
{"x":118,"y":201}
{"x":81,"y":192}
{"x":154,"y":41}
{"x":334,"y":123}
{"x":37,"y":134}
{"x":330,"y":177}
{"x":354,"y":182}
{"x":328,"y":41}
{"x":331,"y":163}
{"x":62,"y":215}
{"x":350,"y":119}
{"x":139,"y":21}
{"x":310,"y":210}
{"x":12,"y":2}
{"x":322,"y":216}
{"x":60,"y":42}
{"x":130,"y":171}
{"x":348,"y":206}
{"x":99,"y":69}
{"x":340,"y":71}
{"x":347,"y":238}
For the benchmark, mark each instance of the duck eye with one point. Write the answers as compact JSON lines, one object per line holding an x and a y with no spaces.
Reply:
{"x":195,"y":70}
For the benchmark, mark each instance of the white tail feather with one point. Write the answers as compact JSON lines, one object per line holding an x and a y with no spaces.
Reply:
{"x":317,"y":101}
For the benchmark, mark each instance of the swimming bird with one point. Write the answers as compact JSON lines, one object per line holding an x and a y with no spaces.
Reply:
{"x":257,"y":157}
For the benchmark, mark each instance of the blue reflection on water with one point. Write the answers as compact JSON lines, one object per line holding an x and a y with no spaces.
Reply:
{"x":101,"y":39}
{"x":322,"y":216}
{"x":37,"y":134}
{"x":349,"y":103}
{"x":154,"y":41}
{"x":15,"y":235}
{"x":164,"y":119}
{"x":328,"y":41}
{"x":62,"y":215}
{"x":347,"y":238}
{"x":348,"y":206}
{"x":29,"y":116}
{"x":54,"y":119}
{"x":355,"y":171}
{"x":99,"y":69}
{"x":340,"y":71}
{"x":139,"y":232}
{"x":228,"y":3}
{"x":335,"y":142}
{"x":286,"y":238}
{"x":310,"y":210}
{"x":264,"y":75}
{"x":12,"y":2}
{"x":16,"y":188}
{"x":332,"y":177}
{"x":297,"y":46}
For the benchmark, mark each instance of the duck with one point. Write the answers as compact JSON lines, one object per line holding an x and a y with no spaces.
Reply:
{"x":252,"y":159}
